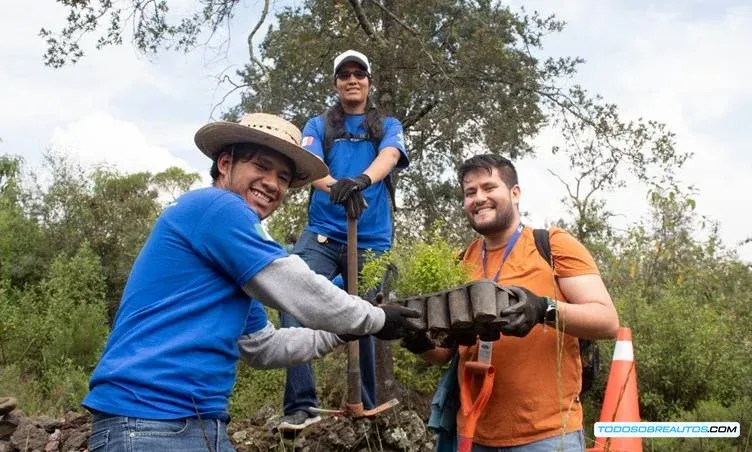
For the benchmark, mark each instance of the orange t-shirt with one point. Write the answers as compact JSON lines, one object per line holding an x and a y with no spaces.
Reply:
{"x":534,"y":395}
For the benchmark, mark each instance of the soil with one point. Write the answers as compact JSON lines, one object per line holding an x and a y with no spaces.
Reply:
{"x":399,"y":429}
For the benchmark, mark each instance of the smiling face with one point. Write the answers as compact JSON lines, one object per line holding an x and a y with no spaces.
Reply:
{"x":262,"y":180}
{"x":353,"y":92}
{"x":490,"y":205}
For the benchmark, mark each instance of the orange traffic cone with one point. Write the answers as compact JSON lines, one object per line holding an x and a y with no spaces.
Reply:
{"x":620,"y":403}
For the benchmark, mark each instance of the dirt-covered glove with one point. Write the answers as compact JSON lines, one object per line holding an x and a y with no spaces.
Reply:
{"x":519,"y":318}
{"x":355,"y":205}
{"x":395,"y":321}
{"x":417,"y":342}
{"x":345,"y":187}
{"x":349,"y":192}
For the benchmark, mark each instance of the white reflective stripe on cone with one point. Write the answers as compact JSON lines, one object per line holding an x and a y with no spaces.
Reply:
{"x":623,"y":351}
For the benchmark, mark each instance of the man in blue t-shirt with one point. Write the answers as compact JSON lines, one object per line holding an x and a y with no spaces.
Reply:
{"x":186,"y":315}
{"x":361,"y":148}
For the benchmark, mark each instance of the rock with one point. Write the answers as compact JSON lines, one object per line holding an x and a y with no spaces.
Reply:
{"x":53,"y":442}
{"x":7,"y":404}
{"x":76,"y":431}
{"x":398,"y":430}
{"x":239,"y":436}
{"x":29,"y":436}
{"x":47,"y":423}
{"x":8,"y":425}
{"x":267,"y":414}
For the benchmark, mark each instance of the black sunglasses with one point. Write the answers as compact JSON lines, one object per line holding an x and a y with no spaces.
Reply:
{"x":359,"y":74}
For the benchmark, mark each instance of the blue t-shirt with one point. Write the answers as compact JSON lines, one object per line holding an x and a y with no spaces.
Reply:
{"x":173,"y":347}
{"x":349,"y":158}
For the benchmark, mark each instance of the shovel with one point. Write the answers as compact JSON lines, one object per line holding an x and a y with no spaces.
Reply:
{"x":354,"y":405}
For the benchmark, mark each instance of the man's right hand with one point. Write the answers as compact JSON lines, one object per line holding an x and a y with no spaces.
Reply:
{"x":395,"y":321}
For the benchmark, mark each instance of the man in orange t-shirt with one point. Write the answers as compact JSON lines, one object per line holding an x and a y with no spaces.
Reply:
{"x":535,"y":402}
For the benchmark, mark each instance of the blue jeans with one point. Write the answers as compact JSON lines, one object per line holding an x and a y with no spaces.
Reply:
{"x":570,"y":442}
{"x":328,"y":259}
{"x":128,"y":434}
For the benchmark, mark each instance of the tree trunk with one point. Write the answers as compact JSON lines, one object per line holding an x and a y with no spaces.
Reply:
{"x":386,"y":384}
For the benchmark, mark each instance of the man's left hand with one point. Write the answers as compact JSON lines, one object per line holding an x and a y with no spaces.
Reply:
{"x":519,"y":318}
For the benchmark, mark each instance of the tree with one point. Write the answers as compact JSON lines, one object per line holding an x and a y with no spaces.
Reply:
{"x":603,"y":151}
{"x":20,"y":236}
{"x":111,"y":211}
{"x":683,"y":298}
{"x":459,"y":75}
{"x":152,"y":28}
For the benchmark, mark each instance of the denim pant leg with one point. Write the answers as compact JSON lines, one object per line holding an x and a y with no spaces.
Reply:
{"x":570,"y":442}
{"x":300,"y":386}
{"x":368,"y":371}
{"x":128,"y":434}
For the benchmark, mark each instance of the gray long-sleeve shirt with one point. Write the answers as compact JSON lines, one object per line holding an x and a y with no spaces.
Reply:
{"x":289,"y":285}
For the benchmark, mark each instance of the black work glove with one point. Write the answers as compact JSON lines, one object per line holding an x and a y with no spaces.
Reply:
{"x":395,"y":321}
{"x":519,"y":318}
{"x":345,"y":187}
{"x":417,"y":342}
{"x":349,"y":192}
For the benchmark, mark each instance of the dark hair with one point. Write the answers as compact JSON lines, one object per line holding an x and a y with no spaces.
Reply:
{"x":504,"y":166}
{"x":243,"y":152}
{"x":335,"y":123}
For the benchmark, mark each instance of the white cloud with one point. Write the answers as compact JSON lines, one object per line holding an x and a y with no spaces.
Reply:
{"x":99,"y":138}
{"x":679,"y":63}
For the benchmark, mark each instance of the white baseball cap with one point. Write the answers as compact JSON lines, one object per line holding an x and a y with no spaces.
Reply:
{"x":354,"y":56}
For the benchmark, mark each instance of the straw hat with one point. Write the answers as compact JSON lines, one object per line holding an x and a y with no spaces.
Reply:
{"x":267,"y":130}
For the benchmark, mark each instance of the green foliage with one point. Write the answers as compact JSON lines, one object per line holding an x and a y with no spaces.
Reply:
{"x":76,"y":317}
{"x":53,"y":332}
{"x":414,"y":372}
{"x":114,"y":212}
{"x":708,"y":411}
{"x":684,"y":300}
{"x":288,"y":221}
{"x":255,"y":389}
{"x":65,"y":251}
{"x":424,"y":266}
{"x":58,"y":389}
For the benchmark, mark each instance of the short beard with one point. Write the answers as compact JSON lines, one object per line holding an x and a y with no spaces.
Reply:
{"x":500,"y":223}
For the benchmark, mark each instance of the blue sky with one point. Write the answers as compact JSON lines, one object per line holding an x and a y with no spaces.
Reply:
{"x":679,"y":62}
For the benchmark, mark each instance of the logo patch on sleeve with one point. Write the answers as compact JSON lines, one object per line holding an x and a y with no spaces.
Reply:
{"x":307,"y":141}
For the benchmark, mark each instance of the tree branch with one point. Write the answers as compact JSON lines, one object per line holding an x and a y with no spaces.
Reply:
{"x":365,"y":24}
{"x":253,"y":32}
{"x":414,"y":117}
{"x":226,"y":78}
{"x":396,"y":19}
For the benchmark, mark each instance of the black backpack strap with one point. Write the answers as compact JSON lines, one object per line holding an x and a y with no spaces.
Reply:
{"x":543,"y":244}
{"x":589,"y":356}
{"x":328,"y":142}
{"x":327,"y":148}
